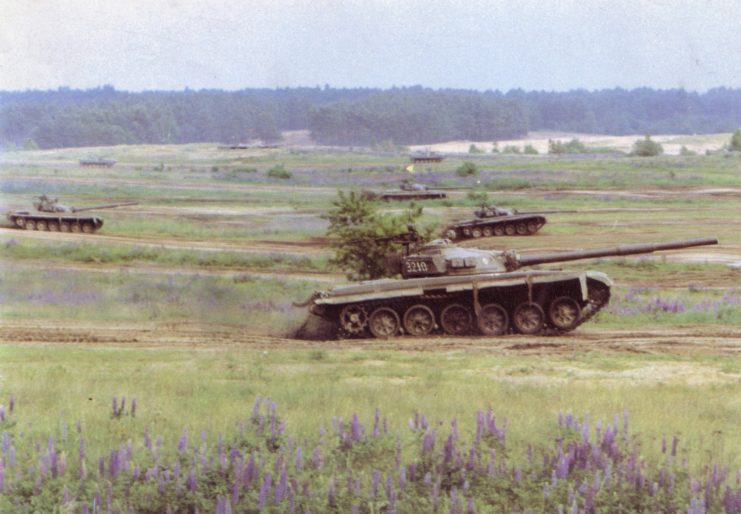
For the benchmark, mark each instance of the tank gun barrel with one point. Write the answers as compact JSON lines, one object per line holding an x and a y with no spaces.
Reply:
{"x":105,"y":206}
{"x":628,"y":249}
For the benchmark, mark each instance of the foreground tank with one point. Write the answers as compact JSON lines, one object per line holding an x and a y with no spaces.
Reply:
{"x":407,"y":191}
{"x":52,"y":216}
{"x":495,"y":221}
{"x":461,"y":291}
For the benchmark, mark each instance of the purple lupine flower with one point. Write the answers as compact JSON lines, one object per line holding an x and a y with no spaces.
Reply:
{"x":183,"y":443}
{"x":265,"y":490}
{"x":374,"y":483}
{"x":356,"y":429}
{"x":2,"y":475}
{"x":147,"y":439}
{"x":133,"y":408}
{"x":11,"y":404}
{"x":471,"y":508}
{"x":402,"y":478}
{"x":191,"y":481}
{"x":280,"y":488}
{"x":113,"y":464}
{"x":122,"y":407}
{"x":235,"y":492}
{"x":454,"y":501}
{"x":316,"y":458}
{"x":5,"y":442}
{"x":675,"y":443}
{"x":114,"y":407}
{"x":101,"y":467}
{"x":428,"y":442}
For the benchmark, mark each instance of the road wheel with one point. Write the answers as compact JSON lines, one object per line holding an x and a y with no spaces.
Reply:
{"x":451,"y":234}
{"x":384,"y":323}
{"x":20,"y":223}
{"x":30,"y":225}
{"x":456,"y":319}
{"x":564,"y":313}
{"x":499,"y":230}
{"x":353,"y":319}
{"x":41,"y":225}
{"x":419,"y":320}
{"x":532,"y":227}
{"x":521,"y":229}
{"x":487,"y":232}
{"x":510,"y":229}
{"x":53,"y":226}
{"x":88,"y":227}
{"x":64,"y":227}
{"x":476,"y":232}
{"x":528,"y":318}
{"x":493,"y":320}
{"x":75,"y":227}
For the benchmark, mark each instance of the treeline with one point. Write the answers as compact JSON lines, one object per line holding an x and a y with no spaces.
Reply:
{"x":361,"y":116}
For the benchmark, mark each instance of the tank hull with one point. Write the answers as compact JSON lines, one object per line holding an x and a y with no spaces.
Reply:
{"x":492,"y":304}
{"x":515,"y":225}
{"x":404,"y":195}
{"x":55,"y":222}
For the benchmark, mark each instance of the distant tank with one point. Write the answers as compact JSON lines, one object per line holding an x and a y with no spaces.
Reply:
{"x":52,"y":216}
{"x":462,"y":291}
{"x":408,"y":190}
{"x":496,"y":221}
{"x":97,"y":163}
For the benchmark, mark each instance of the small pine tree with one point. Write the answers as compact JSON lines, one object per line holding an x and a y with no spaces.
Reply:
{"x":467,"y":169}
{"x":647,"y":147}
{"x":495,"y":147}
{"x":356,"y":226}
{"x":735,"y":145}
{"x":474,"y":149}
{"x":279,"y":171}
{"x":511,"y":149}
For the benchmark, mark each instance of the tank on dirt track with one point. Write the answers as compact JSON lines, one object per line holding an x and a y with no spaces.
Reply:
{"x":463,"y":291}
{"x":52,"y":216}
{"x":407,"y":191}
{"x":496,"y":221}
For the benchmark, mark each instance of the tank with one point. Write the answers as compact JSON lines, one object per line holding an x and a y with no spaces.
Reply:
{"x":491,"y":220}
{"x":463,"y":291}
{"x":52,"y":216}
{"x":408,"y":190}
{"x":97,"y":162}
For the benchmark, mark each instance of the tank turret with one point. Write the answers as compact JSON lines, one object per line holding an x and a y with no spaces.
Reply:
{"x":462,"y":291}
{"x":46,"y":204}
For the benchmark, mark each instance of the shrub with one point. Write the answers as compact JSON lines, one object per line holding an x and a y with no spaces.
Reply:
{"x":647,"y":147}
{"x":530,"y":150}
{"x":511,"y":149}
{"x":467,"y":169}
{"x":474,"y":149}
{"x":495,"y":147}
{"x":279,"y":171}
{"x":686,"y":151}
{"x":573,"y":146}
{"x":245,"y":170}
{"x":735,"y":144}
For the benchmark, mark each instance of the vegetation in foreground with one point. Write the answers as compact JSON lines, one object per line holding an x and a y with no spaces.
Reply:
{"x":359,"y":468}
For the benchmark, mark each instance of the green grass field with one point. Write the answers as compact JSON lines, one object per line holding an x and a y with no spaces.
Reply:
{"x":199,"y":194}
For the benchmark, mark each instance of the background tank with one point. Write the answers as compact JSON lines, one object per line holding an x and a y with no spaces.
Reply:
{"x":495,"y":221}
{"x":97,"y":162}
{"x":52,"y":216}
{"x":462,"y":291}
{"x":408,"y":190}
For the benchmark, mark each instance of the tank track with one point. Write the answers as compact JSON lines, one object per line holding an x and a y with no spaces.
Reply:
{"x":591,"y":310}
{"x":594,"y":305}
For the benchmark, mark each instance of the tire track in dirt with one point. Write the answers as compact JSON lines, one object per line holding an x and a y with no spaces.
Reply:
{"x":313,"y":246}
{"x":685,"y":340}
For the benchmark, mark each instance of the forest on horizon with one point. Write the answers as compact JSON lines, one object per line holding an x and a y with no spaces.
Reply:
{"x":351,"y":116}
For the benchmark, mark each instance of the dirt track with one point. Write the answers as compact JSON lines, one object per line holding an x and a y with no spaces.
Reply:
{"x":684,"y":340}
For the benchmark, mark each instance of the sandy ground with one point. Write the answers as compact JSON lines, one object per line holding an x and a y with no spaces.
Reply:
{"x":672,"y":144}
{"x":685,"y":340}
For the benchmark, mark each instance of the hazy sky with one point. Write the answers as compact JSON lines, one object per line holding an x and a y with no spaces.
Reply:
{"x":472,"y":44}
